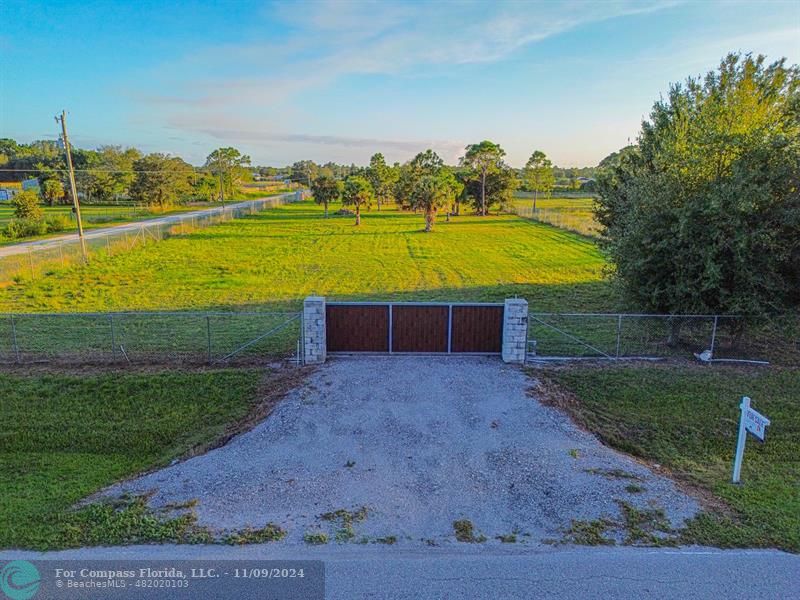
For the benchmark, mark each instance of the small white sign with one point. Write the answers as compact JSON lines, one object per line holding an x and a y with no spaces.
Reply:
{"x":754,"y":422}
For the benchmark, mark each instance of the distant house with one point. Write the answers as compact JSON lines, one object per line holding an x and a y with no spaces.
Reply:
{"x":8,"y":189}
{"x":30,"y":184}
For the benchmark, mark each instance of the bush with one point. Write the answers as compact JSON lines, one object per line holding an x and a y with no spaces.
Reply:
{"x":27,"y":206}
{"x":56,"y":223}
{"x":22,"y":228}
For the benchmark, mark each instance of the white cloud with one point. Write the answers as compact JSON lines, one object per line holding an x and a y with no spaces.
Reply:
{"x":329,"y":40}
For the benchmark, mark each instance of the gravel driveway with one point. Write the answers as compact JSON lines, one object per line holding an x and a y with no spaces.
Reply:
{"x":420,"y":442}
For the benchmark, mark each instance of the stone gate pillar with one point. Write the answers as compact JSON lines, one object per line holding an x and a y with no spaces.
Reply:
{"x":515,"y":330}
{"x":314,"y":343}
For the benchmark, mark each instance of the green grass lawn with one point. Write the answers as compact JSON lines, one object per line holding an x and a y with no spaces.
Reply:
{"x":686,"y":419}
{"x":276,"y":258}
{"x":65,"y":437}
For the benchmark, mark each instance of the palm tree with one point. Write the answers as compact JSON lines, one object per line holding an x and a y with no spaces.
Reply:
{"x":357,"y":192}
{"x":429,"y":195}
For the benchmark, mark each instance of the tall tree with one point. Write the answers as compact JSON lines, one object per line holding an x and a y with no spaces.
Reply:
{"x":704,"y":215}
{"x":382,"y":178}
{"x":230,"y":167}
{"x":357,"y":192}
{"x":206,"y":186}
{"x":455,"y":188}
{"x":325,"y":190}
{"x":424,"y":163}
{"x":304,"y":171}
{"x":161,"y":180}
{"x":52,"y":190}
{"x":114,"y":174}
{"x":497,"y":188}
{"x":483,"y":158}
{"x":539,"y":175}
{"x":432,"y":193}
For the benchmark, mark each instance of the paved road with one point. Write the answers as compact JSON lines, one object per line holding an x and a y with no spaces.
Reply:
{"x":22,"y":247}
{"x":472,"y":572}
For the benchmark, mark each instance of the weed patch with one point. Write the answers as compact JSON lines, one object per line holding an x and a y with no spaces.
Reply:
{"x":268,"y":533}
{"x":315,"y":538}
{"x":465,"y":532}
{"x":590,"y":533}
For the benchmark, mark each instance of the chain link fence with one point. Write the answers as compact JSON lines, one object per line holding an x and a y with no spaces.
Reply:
{"x":707,"y":337}
{"x":258,"y":337}
{"x":150,"y":338}
{"x":565,"y":219}
{"x":34,"y":260}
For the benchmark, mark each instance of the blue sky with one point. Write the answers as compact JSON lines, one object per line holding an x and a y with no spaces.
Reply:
{"x":338,"y":80}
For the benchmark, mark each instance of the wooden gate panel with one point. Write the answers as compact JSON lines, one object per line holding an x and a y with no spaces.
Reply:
{"x":419,"y":328}
{"x":477,"y":329}
{"x":357,"y":328}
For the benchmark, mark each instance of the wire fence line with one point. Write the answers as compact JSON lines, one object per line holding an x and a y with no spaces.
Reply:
{"x":706,"y":337}
{"x":33,"y":260}
{"x":236,"y":338}
{"x":562,"y":218}
{"x":150,"y":337}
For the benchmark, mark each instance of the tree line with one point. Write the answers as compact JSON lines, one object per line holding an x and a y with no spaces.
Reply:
{"x":112,"y":173}
{"x":481,"y":181}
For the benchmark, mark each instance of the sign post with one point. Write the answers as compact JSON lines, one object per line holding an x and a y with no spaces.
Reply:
{"x":753,"y":422}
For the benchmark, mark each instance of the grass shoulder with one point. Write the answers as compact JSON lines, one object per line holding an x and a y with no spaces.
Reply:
{"x":66,"y":437}
{"x":684,"y":418}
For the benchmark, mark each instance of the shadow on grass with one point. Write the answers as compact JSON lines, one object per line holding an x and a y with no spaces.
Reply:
{"x":572,"y":297}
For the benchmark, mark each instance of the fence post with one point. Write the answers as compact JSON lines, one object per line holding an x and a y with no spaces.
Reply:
{"x":113,"y":338}
{"x":208,"y":330}
{"x":14,"y":338}
{"x":714,"y":335}
{"x":61,"y":252}
{"x":619,"y":332}
{"x":30,"y":261}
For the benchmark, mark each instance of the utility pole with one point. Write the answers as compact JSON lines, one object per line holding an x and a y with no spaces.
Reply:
{"x":221,"y":190}
{"x":73,"y":188}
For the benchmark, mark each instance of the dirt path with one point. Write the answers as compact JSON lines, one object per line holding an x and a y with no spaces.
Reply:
{"x":420,"y":442}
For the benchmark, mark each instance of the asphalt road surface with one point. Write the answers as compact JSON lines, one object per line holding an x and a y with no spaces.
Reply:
{"x":381,"y":572}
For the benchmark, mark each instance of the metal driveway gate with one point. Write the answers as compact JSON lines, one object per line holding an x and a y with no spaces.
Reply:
{"x":409,"y":327}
